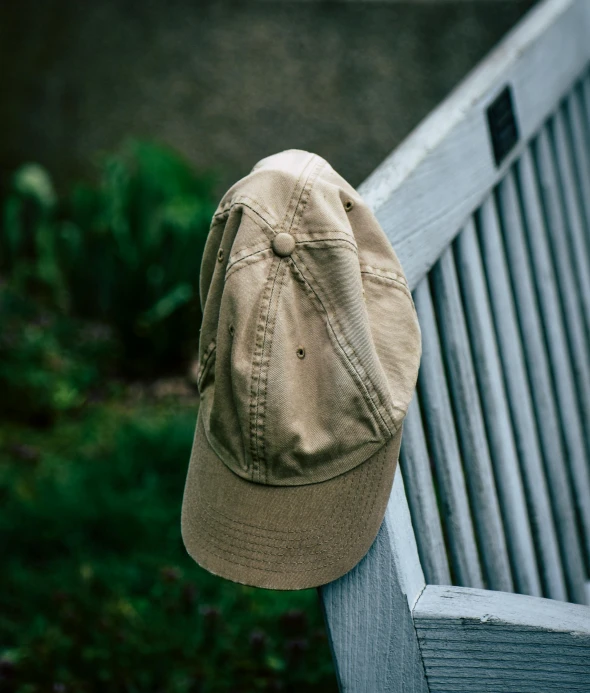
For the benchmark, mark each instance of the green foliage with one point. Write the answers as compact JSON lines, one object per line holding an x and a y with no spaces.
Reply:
{"x":48,"y":364}
{"x":125,"y":252}
{"x":96,"y":590}
{"x":28,"y":242}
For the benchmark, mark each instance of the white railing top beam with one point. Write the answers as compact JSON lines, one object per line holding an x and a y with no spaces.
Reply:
{"x":426,"y":189}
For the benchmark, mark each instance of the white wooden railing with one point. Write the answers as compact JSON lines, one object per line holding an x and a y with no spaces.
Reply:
{"x":478,"y":579}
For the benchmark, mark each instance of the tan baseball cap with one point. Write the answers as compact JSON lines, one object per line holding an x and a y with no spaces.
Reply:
{"x":308,"y":358}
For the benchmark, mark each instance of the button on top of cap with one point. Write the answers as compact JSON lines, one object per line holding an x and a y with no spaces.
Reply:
{"x":283,"y":244}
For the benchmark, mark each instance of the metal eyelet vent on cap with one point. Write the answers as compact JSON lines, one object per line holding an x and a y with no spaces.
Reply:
{"x":220,"y":255}
{"x":348,"y":205}
{"x":283,"y":244}
{"x":300,"y":352}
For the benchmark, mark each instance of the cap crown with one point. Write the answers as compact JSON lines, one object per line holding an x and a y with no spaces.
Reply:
{"x":310,"y":344}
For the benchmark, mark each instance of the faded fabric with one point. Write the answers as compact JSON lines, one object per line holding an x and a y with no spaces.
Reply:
{"x":309,"y":353}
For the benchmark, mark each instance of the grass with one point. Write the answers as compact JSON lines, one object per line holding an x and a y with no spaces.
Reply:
{"x":97,"y":592}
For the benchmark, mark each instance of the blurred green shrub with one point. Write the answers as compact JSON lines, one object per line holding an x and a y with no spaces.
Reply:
{"x":125,"y":251}
{"x":97,"y":592}
{"x":48,"y":364}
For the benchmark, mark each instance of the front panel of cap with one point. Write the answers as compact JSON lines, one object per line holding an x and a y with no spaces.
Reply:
{"x":282,"y":403}
{"x":293,"y":391}
{"x":314,"y":417}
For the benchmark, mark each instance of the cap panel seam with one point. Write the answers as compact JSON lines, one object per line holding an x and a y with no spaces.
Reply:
{"x":257,"y":362}
{"x":376,"y":406}
{"x":393,"y":283}
{"x":329,"y":243}
{"x":305,"y":194}
{"x":265,"y":365}
{"x":244,"y":252}
{"x":297,"y":192}
{"x":385,"y":273}
{"x":238,"y":256}
{"x":252,"y":204}
{"x":404,"y":288}
{"x":325,"y":235}
{"x":267,"y":228}
{"x":205,"y":359}
{"x":248,"y":260}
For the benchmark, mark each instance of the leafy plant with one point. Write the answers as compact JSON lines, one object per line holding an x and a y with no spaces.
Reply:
{"x":28,"y":251}
{"x":125,"y":251}
{"x":48,"y":364}
{"x":96,"y":589}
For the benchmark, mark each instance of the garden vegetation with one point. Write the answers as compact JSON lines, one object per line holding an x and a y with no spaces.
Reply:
{"x":99,"y":322}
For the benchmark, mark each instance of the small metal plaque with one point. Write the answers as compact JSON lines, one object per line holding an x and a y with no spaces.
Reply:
{"x":502,"y":125}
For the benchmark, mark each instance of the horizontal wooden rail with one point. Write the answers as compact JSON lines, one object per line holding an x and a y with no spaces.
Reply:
{"x":480,"y":640}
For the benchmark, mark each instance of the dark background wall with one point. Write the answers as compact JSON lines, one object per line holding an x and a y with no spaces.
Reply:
{"x":228,"y":82}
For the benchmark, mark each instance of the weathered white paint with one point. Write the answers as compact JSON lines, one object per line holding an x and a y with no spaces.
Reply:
{"x":585,"y":101}
{"x":496,"y":412}
{"x":444,"y":448}
{"x":415,"y":465}
{"x":540,"y":59}
{"x":533,"y":337}
{"x":462,"y":384}
{"x":368,"y":610}
{"x":579,"y":146}
{"x":479,"y":640}
{"x":571,"y":204}
{"x":558,"y":347}
{"x":570,"y":294}
{"x":423,"y":194}
{"x":526,"y":433}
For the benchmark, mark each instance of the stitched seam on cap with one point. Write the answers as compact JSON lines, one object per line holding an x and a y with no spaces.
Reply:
{"x":251,"y":259}
{"x":296,"y":193}
{"x":265,"y":365}
{"x":257,"y":360}
{"x":330,"y":243}
{"x":325,"y":234}
{"x":242,"y":522}
{"x":376,"y":406}
{"x":246,"y":252}
{"x":382,"y":272}
{"x":359,"y":378}
{"x":268,"y":234}
{"x":378,"y":403}
{"x":305,"y":194}
{"x":252,"y":204}
{"x":351,"y":489}
{"x":267,"y":228}
{"x":256,"y":564}
{"x":229,"y":522}
{"x":393,"y":283}
{"x":403,"y":288}
{"x":205,"y":359}
{"x":343,"y":542}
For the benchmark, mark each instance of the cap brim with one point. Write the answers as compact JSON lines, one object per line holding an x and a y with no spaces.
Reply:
{"x":283,"y":537}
